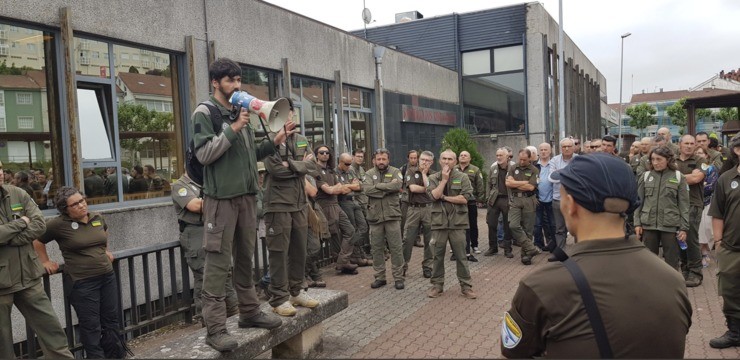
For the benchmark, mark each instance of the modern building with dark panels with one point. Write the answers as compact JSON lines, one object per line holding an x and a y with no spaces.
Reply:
{"x":506,"y":63}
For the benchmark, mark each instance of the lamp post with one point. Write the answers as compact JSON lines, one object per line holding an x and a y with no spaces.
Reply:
{"x":621,"y":71}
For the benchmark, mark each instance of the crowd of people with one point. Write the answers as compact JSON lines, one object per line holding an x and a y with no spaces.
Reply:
{"x":671,"y":200}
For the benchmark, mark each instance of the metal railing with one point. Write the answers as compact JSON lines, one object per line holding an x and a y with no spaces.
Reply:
{"x":139,"y":315}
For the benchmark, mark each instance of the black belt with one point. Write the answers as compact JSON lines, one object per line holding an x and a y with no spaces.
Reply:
{"x":522,"y":194}
{"x":421,"y":205}
{"x":345,"y":197}
{"x":184,"y":224}
{"x":502,"y":196}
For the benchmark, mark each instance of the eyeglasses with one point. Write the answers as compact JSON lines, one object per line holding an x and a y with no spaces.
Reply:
{"x":76,"y":204}
{"x":577,"y":143}
{"x":323,"y":153}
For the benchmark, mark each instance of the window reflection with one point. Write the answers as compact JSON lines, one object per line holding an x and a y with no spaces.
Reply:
{"x":94,"y":124}
{"x":314,"y":110}
{"x":27,"y":82}
{"x":91,"y":57}
{"x":494,"y":104}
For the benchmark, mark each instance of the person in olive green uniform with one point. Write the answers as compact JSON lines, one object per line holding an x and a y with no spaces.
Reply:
{"x":497,"y":198}
{"x":725,"y":212}
{"x":187,"y":201}
{"x":521,"y":181}
{"x":694,"y":169}
{"x":419,"y":214}
{"x":340,"y":227}
{"x":382,"y":184}
{"x":479,"y":192}
{"x":318,"y":231}
{"x":451,"y":191}
{"x":348,"y":178}
{"x":229,"y":156}
{"x":714,"y":156}
{"x":286,"y":222}
{"x":663,"y":214}
{"x":635,"y":154}
{"x":21,"y":222}
{"x":656,"y":142}
{"x":629,"y":284}
{"x":411,"y":165}
{"x":358,"y":161}
{"x":666,"y":134}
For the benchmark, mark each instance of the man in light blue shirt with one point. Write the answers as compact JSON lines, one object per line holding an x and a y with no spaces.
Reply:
{"x":545,"y":221}
{"x":558,"y":163}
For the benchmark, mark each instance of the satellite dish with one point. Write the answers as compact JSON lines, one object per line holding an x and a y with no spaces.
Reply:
{"x":367,"y":17}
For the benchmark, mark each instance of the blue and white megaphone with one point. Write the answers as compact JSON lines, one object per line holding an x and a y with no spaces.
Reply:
{"x":274,"y":113}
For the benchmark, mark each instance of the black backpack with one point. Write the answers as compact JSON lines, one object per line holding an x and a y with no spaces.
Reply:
{"x":194,"y":167}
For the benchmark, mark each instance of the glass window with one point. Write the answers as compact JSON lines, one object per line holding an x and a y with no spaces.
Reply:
{"x":86,"y":64}
{"x":25,"y":122}
{"x":27,"y":104}
{"x":366,"y":100}
{"x":508,"y":58}
{"x":476,"y":62}
{"x":94,"y":124}
{"x":23,"y":99}
{"x":312,"y":103}
{"x":494,"y":104}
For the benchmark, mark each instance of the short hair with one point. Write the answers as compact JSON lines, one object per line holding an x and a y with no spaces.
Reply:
{"x":702,"y":133}
{"x":563,"y":140}
{"x":658,"y":138}
{"x":379,"y":151}
{"x":525,"y":150}
{"x":22,"y":176}
{"x":663,"y":151}
{"x":60,"y":199}
{"x":358,"y":151}
{"x":139,"y":170}
{"x":412,"y":151}
{"x":713,"y":143}
{"x":223,"y":67}
{"x":428,"y":153}
{"x":509,"y":150}
{"x":609,"y":138}
{"x":150,"y":168}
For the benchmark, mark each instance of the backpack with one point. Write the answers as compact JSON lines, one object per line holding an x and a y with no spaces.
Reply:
{"x":647,"y":174}
{"x":193,"y":166}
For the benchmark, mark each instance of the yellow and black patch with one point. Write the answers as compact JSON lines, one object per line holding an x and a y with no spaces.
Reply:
{"x":96,"y":223}
{"x":16,"y":207}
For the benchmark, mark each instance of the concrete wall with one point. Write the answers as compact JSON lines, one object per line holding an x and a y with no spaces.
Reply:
{"x":487,"y":147}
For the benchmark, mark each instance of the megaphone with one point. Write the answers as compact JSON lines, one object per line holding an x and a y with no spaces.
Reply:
{"x":273,"y":114}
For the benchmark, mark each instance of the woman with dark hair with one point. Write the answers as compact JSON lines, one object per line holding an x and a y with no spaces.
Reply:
{"x":662,"y":217}
{"x":83,"y":240}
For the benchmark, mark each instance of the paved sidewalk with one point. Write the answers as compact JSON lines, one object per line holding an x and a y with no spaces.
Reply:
{"x":390,"y":323}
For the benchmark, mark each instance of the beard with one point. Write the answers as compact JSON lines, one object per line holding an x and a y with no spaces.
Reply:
{"x":382,"y":166}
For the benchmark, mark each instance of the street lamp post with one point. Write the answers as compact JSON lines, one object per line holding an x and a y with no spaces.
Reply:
{"x":621,"y":71}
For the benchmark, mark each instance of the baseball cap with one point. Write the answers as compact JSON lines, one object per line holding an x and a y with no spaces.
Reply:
{"x":600,"y":182}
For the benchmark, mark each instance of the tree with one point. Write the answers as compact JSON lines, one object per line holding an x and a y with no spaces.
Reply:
{"x":133,"y":70}
{"x":459,"y":140}
{"x":727,"y":114}
{"x":137,"y":118}
{"x":678,"y":114}
{"x":12,"y":70}
{"x":641,"y":116}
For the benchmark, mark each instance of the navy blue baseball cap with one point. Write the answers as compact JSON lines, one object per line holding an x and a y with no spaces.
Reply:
{"x":600,"y":182}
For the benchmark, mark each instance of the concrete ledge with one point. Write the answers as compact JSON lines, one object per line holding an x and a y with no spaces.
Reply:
{"x":298,"y":337}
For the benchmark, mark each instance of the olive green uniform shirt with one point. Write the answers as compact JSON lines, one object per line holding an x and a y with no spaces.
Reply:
{"x":726,"y":205}
{"x":697,"y":190}
{"x":360,"y":173}
{"x":630,"y":285}
{"x":19,"y":265}
{"x":476,"y":180}
{"x":382,"y":188}
{"x":665,"y":201}
{"x":417,"y":178}
{"x":185,"y":190}
{"x":446,"y":215}
{"x":521,"y":173}
{"x":496,"y":182}
{"x":83,"y":245}
{"x":715,"y":158}
{"x":329,"y":177}
{"x":285,"y":186}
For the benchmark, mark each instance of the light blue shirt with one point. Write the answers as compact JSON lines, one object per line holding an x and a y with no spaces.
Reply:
{"x":557,"y":163}
{"x":545,"y":185}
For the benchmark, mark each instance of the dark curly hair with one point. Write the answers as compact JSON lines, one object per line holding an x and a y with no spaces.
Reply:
{"x":330,"y":162}
{"x":664,"y":152}
{"x":60,"y":199}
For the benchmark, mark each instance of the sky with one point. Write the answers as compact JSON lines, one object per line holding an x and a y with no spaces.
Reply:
{"x":675,"y":44}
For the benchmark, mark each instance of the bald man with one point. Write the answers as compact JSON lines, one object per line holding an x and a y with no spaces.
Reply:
{"x":666,"y":134}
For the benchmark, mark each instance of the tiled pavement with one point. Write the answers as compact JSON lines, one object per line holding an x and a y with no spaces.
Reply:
{"x":390,"y":323}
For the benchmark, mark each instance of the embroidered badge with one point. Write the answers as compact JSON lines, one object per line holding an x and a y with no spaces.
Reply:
{"x":342,"y":177}
{"x":16,"y":207}
{"x":528,"y":174}
{"x":323,"y":172}
{"x":471,"y":171}
{"x":495,"y":171}
{"x":75,"y":225}
{"x":456,"y":181}
{"x":511,"y":333}
{"x":650,"y":179}
{"x":224,"y":126}
{"x":408,"y":177}
{"x":271,"y":231}
{"x":301,"y":144}
{"x":673,"y":180}
{"x":733,"y":185}
{"x":96,"y":223}
{"x":388,"y":175}
{"x":182,"y":192}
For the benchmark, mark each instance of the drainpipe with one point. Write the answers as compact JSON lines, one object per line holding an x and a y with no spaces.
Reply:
{"x":378,"y":52}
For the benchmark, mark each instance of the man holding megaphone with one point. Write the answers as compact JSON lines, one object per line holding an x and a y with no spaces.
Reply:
{"x":229,"y":155}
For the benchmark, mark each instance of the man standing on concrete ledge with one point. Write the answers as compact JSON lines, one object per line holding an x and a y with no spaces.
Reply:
{"x":451,"y":191}
{"x":229,"y":156}
{"x":586,"y":306}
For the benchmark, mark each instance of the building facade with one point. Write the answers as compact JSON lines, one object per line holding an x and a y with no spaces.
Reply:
{"x":506,"y":61}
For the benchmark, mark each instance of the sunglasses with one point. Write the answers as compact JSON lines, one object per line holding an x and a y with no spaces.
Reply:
{"x":323,"y":153}
{"x":76,"y":204}
{"x":577,"y":143}
{"x":347,"y":164}
{"x":595,"y":147}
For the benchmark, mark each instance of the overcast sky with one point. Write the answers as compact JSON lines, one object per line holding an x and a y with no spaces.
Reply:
{"x":675,"y":44}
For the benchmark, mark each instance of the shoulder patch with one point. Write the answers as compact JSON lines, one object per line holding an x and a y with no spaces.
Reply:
{"x":301,"y":144}
{"x":704,"y":166}
{"x":182,"y":192}
{"x":511,"y":333}
{"x":388,"y":175}
{"x":457,"y":181}
{"x":96,"y":223}
{"x":16,"y":207}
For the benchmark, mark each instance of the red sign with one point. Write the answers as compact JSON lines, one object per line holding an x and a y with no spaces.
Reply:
{"x":424,"y":115}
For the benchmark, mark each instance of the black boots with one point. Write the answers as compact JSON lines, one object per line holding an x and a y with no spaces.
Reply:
{"x":730,"y":338}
